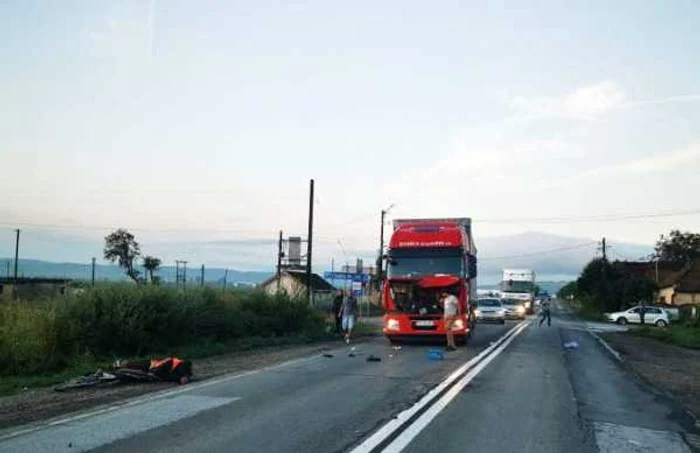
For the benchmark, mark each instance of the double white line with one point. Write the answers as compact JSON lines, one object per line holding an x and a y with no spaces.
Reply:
{"x":399,"y":432}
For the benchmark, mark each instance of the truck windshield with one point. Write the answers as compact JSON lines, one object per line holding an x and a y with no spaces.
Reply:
{"x":425,"y":261}
{"x":517,"y":287}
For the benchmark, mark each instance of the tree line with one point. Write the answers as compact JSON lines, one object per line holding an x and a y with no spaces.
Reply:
{"x":605,"y":286}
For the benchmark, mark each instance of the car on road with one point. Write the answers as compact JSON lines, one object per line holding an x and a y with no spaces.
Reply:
{"x":673,"y":312}
{"x":515,"y":308}
{"x":652,"y":316}
{"x":490,"y":310}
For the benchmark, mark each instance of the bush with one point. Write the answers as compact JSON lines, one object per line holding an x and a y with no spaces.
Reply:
{"x":686,"y":336}
{"x":132,"y":320}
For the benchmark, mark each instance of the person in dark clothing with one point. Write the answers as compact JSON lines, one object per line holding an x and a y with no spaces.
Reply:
{"x":545,"y":313}
{"x":335,"y":310}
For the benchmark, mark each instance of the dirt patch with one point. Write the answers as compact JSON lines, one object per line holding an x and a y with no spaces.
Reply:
{"x":45,"y":403}
{"x":672,"y":368}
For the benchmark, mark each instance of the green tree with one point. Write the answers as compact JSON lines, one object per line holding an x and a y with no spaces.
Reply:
{"x":679,"y":248}
{"x":597,"y":281}
{"x":151,"y":264}
{"x":568,"y":291}
{"x":121,"y":247}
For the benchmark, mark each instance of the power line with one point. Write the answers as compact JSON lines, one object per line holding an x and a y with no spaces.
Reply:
{"x":543,"y":252}
{"x":594,"y":218}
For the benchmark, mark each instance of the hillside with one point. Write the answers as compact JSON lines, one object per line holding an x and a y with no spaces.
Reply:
{"x":38,"y":268}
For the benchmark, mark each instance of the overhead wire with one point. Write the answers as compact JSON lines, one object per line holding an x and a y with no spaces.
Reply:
{"x":542,"y":252}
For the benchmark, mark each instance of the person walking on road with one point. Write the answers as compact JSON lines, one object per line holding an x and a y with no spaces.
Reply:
{"x":545,"y":313}
{"x":450,"y":304}
{"x":335,"y":310}
{"x":348,"y":310}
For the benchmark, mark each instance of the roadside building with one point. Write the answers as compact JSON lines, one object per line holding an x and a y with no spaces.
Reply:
{"x":681,"y":287}
{"x":295,"y":284}
{"x":32,"y":288}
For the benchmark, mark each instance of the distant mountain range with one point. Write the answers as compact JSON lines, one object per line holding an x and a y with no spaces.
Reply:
{"x":554,"y":258}
{"x":74,"y":271}
{"x":550,"y":287}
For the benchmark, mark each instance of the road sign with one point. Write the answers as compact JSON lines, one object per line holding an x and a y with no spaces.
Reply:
{"x":363,"y":278}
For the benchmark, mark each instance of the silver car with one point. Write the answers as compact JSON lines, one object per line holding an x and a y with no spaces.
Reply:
{"x":490,"y":310}
{"x":515,"y":308}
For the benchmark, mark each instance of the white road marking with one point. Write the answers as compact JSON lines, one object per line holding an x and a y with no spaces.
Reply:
{"x":612,"y":438}
{"x":390,"y":427}
{"x":108,"y":427}
{"x":607,"y":346}
{"x":416,"y":427}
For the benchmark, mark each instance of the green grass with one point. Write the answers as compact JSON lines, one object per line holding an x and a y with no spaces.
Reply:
{"x":584,"y":310}
{"x":679,"y":335}
{"x":13,"y":384}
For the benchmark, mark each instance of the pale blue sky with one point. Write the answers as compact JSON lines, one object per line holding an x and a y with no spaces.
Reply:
{"x":212,"y":116}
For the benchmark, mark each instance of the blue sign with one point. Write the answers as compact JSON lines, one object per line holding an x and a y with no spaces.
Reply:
{"x":364,"y":278}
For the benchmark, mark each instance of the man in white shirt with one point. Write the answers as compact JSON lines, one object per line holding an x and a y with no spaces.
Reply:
{"x":450,"y":305}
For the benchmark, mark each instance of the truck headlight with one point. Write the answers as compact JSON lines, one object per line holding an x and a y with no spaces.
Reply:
{"x":520,"y":309}
{"x":458,"y":325}
{"x":477,"y":312}
{"x":392,"y":324}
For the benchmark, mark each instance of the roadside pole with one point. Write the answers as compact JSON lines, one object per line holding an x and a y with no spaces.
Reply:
{"x":14,"y":287}
{"x":92,"y":280}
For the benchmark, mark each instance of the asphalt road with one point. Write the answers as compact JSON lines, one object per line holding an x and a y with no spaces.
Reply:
{"x":519,"y":391}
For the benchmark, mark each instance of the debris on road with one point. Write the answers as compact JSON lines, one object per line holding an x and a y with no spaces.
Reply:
{"x":328,"y":355}
{"x":168,"y":369}
{"x":352,"y":354}
{"x":435,"y":354}
{"x":571,"y":345}
{"x":373,"y":358}
{"x":397,"y":348}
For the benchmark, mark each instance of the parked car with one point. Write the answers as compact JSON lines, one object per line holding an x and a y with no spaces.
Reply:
{"x":674,"y":314}
{"x":652,"y":315}
{"x":490,"y":310}
{"x":515,"y":308}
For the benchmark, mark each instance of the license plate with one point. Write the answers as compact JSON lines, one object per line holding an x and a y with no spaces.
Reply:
{"x":425,"y":323}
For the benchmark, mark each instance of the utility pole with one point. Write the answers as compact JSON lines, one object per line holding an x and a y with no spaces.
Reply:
{"x":180,"y":273}
{"x":604,"y":249}
{"x":279,"y":261}
{"x":310,"y":242}
{"x":93,"y":271}
{"x":8,"y":268}
{"x":225,"y":277}
{"x":16,"y":254}
{"x":201,"y":282}
{"x":380,"y":258}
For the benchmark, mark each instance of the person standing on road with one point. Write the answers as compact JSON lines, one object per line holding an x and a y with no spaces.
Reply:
{"x":335,"y":310}
{"x":545,"y":312}
{"x":450,"y":304}
{"x":348,"y":310}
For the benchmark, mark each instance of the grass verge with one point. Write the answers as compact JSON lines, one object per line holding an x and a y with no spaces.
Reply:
{"x":679,"y":335}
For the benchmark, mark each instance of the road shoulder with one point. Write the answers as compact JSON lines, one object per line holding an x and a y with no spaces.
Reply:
{"x":39,"y":405}
{"x":672,"y":369}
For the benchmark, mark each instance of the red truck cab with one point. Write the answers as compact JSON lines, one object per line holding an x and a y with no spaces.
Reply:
{"x":425,"y":258}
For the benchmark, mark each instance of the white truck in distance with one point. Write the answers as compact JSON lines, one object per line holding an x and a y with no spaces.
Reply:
{"x":519,"y":284}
